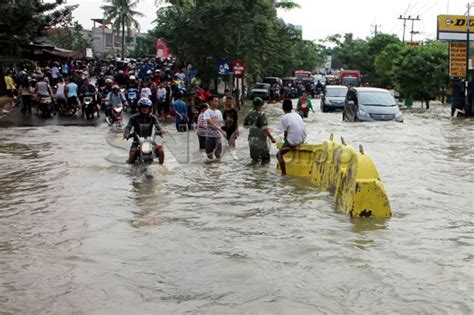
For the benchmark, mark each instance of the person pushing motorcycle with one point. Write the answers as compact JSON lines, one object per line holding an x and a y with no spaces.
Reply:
{"x":142,"y":125}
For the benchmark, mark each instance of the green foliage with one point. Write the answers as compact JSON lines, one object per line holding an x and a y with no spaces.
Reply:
{"x":385,"y":63}
{"x":421,"y":72}
{"x":360,"y":54}
{"x":204,"y":32}
{"x":21,"y":21}
{"x":70,"y":37}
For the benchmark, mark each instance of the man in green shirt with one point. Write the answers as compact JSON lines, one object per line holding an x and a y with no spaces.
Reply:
{"x":257,"y":122}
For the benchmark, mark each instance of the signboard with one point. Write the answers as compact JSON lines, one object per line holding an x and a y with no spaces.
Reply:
{"x":413,"y":44}
{"x":457,"y":59}
{"x":454,"y":27}
{"x":238,"y":67}
{"x":161,"y":49}
{"x":223,"y":67}
{"x":89,"y":53}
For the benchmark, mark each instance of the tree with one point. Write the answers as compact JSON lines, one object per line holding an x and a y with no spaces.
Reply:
{"x":21,"y":21}
{"x":204,"y":32}
{"x":422,"y":72}
{"x":385,"y":63}
{"x":121,"y":13}
{"x":70,"y":37}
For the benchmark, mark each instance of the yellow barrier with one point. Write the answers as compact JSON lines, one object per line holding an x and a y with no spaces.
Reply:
{"x":350,"y":176}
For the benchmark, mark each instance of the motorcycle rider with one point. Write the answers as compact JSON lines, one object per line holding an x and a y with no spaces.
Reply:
{"x":132,"y":94}
{"x":115,"y":98}
{"x":87,"y":89}
{"x":142,"y":125}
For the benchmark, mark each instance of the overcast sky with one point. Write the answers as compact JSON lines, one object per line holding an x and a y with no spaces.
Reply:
{"x":321,"y":18}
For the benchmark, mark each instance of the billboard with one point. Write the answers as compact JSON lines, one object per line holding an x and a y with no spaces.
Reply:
{"x":454,"y":27}
{"x":161,"y":49}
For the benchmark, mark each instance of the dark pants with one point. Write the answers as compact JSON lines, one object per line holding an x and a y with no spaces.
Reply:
{"x":259,"y":151}
{"x":213,"y":145}
{"x":26,"y":100}
{"x":202,"y":142}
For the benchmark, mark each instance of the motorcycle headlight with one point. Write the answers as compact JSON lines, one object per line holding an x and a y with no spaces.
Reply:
{"x":146,"y":148}
{"x":118,"y":109}
{"x":363,"y":113}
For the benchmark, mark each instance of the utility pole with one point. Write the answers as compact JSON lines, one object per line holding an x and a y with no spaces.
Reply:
{"x":468,"y":51}
{"x":376,"y":28}
{"x":405,"y":19}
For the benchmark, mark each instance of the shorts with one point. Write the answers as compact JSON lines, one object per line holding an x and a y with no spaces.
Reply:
{"x":213,"y":145}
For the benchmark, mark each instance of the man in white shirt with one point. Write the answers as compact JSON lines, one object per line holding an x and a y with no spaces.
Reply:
{"x":215,"y":121}
{"x":294,"y":132}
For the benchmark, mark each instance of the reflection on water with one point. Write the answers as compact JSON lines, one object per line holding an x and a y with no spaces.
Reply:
{"x":78,"y":224}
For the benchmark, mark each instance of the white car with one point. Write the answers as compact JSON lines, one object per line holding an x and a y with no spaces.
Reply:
{"x":261,"y":90}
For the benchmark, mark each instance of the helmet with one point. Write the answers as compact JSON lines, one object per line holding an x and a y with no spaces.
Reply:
{"x":108,"y":81}
{"x":257,"y":102}
{"x":144,"y":102}
{"x":149,"y":72}
{"x":132,"y":78}
{"x":115,"y":87}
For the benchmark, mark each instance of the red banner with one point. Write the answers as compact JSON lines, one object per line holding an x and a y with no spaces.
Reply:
{"x":161,"y":49}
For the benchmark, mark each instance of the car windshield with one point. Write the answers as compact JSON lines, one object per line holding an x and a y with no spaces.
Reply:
{"x":376,"y":99}
{"x":350,"y":80}
{"x":260,"y":86}
{"x":338,"y":92}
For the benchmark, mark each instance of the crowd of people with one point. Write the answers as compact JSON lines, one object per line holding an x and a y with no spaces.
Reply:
{"x":152,"y":90}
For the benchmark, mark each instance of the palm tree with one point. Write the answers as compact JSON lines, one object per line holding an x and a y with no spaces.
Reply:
{"x":285,"y":4}
{"x":121,"y":13}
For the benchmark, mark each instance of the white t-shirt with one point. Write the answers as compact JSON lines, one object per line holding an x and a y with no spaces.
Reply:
{"x":294,"y":125}
{"x":145,"y":92}
{"x":216,"y":116}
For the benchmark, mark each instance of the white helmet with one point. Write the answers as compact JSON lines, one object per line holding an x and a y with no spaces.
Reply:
{"x":132,"y":78}
{"x":149,"y":72}
{"x":108,"y":81}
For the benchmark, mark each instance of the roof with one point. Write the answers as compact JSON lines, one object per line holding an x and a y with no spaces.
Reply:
{"x":369,"y":89}
{"x":336,"y":87}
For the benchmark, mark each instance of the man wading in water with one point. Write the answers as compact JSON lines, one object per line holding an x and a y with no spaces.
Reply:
{"x":257,"y":122}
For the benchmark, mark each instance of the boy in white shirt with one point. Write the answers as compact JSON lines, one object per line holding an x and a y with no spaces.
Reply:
{"x":294,"y":132}
{"x":215,"y":121}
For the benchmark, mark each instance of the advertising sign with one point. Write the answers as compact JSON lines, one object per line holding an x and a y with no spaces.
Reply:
{"x":457,"y":59}
{"x":454,"y":27}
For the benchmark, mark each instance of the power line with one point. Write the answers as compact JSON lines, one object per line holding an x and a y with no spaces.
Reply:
{"x":413,"y":20}
{"x":376,"y":28}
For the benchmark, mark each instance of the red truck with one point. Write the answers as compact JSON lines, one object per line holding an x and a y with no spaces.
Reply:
{"x":350,"y":77}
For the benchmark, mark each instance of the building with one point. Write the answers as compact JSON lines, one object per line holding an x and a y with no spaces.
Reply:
{"x":106,"y":41}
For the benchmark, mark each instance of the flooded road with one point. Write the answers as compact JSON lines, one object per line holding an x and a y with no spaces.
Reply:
{"x":83,"y":233}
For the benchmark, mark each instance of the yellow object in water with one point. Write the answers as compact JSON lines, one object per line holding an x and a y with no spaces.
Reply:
{"x":350,"y":176}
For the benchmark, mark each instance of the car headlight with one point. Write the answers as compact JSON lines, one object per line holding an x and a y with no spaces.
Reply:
{"x":398,"y":115}
{"x":146,"y":148}
{"x":363,"y":113}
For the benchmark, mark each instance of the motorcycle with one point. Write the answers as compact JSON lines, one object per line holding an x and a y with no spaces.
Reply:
{"x":115,"y":117}
{"x":89,"y":105}
{"x":46,"y":106}
{"x":146,"y":148}
{"x":132,"y":100}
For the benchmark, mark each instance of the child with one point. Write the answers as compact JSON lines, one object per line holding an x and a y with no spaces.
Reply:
{"x":231,"y":122}
{"x":201,"y":129}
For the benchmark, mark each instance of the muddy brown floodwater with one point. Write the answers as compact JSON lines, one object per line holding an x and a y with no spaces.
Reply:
{"x":83,"y":233}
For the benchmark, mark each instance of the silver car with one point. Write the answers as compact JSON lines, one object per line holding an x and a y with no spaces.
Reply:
{"x":370,"y":104}
{"x":261,"y":90}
